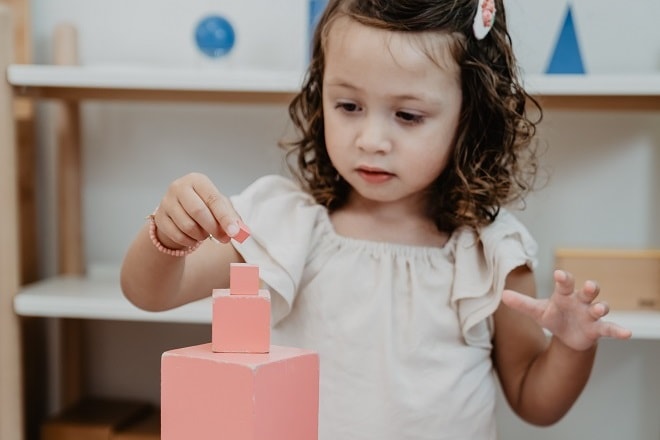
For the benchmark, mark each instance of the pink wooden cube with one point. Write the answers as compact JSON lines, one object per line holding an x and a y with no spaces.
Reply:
{"x":241,"y":323}
{"x":236,"y":396}
{"x":243,"y":279}
{"x":243,"y":232}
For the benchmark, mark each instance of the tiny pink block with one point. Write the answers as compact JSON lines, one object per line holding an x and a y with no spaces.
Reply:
{"x":241,"y":323}
{"x":243,"y":232}
{"x":209,"y":396}
{"x":243,"y":279}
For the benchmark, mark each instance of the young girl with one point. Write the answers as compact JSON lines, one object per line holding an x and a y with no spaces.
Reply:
{"x":392,"y":255}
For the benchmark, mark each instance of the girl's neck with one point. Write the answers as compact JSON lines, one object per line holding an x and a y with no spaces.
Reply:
{"x":387,"y":222}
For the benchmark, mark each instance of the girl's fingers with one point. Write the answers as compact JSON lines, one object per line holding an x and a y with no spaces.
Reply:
{"x":187,"y":224}
{"x":589,"y":292}
{"x":564,"y":282}
{"x":525,"y":304}
{"x":222,"y":210}
{"x":168,"y":227}
{"x":598,"y":310}
{"x":611,"y":330}
{"x":224,"y":238}
{"x":565,"y":285}
{"x":199,"y":211}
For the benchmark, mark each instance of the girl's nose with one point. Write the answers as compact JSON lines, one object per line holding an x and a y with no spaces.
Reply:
{"x":374,"y":136}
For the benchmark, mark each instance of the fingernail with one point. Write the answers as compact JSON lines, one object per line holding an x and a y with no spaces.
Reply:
{"x":232,"y":229}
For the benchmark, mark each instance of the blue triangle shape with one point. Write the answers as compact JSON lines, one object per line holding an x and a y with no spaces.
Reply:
{"x":566,"y":57}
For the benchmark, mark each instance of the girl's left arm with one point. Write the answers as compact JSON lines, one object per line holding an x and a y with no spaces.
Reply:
{"x":542,"y":377}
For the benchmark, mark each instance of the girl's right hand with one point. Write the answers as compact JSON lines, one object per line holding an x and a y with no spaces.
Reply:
{"x":572,"y":315}
{"x":192,"y":210}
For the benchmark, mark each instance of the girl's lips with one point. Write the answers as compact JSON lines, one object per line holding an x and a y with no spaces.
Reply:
{"x":374,"y":175}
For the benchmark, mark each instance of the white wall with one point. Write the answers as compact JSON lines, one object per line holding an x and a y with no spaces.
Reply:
{"x":603,"y":188}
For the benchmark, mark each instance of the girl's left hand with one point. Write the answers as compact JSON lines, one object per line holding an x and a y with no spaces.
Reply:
{"x":573,"y":316}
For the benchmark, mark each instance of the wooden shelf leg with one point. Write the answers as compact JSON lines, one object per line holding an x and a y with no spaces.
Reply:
{"x":70,"y":237}
{"x":11,"y":392}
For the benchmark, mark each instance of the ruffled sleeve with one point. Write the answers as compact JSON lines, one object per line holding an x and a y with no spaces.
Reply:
{"x":281,"y":218}
{"x":483,"y":259}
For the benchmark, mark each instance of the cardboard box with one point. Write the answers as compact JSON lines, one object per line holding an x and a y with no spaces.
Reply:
{"x":628,"y":279}
{"x":93,"y":419}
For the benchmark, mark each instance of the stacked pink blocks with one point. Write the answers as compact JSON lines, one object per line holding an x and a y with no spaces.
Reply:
{"x":239,"y":387}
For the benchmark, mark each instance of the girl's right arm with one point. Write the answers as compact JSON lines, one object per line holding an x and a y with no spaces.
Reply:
{"x":191,"y":211}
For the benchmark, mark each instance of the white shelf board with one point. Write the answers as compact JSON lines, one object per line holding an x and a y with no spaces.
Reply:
{"x":154,"y":78}
{"x":644,"y":324}
{"x":251,"y":80}
{"x":594,"y":84}
{"x":101,"y":298}
{"x":98,"y":298}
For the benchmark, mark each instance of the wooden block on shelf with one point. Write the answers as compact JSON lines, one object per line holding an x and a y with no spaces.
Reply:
{"x":147,"y":428}
{"x":241,"y":323}
{"x":93,"y":419}
{"x":628,"y":279}
{"x":238,"y":396}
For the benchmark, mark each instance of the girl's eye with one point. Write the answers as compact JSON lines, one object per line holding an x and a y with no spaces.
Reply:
{"x":347,"y":106}
{"x":410,"y":118}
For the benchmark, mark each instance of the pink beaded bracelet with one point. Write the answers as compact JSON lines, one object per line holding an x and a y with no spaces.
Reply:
{"x":173,"y":252}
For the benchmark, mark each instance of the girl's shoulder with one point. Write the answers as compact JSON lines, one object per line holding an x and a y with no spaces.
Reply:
{"x":275,"y":204}
{"x":483,"y":260}
{"x":275,"y":192}
{"x":273,"y":185}
{"x":506,"y":224}
{"x":492,"y":237}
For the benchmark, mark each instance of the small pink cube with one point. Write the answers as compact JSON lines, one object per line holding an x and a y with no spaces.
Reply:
{"x":241,"y":323}
{"x":243,"y":279}
{"x":243,"y":232}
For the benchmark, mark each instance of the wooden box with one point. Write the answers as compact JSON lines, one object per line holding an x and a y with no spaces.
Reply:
{"x":628,"y":279}
{"x":147,"y":428}
{"x":93,"y":419}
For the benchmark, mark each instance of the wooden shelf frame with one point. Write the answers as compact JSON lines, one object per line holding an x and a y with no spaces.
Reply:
{"x":11,"y":374}
{"x":18,"y":261}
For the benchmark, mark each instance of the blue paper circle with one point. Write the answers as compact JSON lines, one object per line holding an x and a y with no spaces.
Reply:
{"x":214,"y":36}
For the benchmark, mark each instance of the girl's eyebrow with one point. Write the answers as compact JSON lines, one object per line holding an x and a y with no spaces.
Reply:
{"x":412,"y":97}
{"x":340,"y":83}
{"x":421,"y":97}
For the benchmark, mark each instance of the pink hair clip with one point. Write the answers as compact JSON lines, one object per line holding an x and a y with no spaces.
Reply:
{"x":484,"y":18}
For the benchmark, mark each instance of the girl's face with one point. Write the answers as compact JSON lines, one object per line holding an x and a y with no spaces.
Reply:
{"x":390,"y":111}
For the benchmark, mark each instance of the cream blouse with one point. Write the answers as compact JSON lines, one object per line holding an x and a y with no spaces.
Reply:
{"x":403,"y":332}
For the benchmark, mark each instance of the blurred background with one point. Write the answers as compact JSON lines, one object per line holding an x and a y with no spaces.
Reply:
{"x":601,"y":190}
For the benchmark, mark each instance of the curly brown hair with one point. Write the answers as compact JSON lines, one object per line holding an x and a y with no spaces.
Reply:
{"x":494,"y":161}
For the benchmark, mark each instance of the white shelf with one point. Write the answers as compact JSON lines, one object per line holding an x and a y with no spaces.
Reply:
{"x":242,"y":80}
{"x":594,"y":85}
{"x":153,"y":78}
{"x":100,"y":297}
{"x":644,"y":324}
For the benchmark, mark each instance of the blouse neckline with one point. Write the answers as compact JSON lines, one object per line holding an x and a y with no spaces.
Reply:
{"x":384,"y":247}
